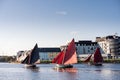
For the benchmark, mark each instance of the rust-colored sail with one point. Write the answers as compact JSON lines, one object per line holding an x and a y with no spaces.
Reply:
{"x":56,"y":58}
{"x":59,"y":58}
{"x":67,"y":56}
{"x":88,"y":58}
{"x":97,"y":56}
{"x":70,"y":56}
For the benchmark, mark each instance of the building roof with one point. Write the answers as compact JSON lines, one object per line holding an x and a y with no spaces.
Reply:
{"x":87,"y":42}
{"x":99,"y":39}
{"x":49,"y":49}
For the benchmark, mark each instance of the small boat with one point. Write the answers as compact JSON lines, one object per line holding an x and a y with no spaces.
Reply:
{"x":67,"y":57}
{"x":96,"y":60}
{"x":88,"y":59}
{"x":32,"y":58}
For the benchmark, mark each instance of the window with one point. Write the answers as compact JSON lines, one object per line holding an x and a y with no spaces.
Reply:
{"x":76,"y":44}
{"x":91,"y":48}
{"x":88,"y":47}
{"x":88,"y":51}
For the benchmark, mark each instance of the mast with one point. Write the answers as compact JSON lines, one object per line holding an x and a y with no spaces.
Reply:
{"x":29,"y":57}
{"x":64,"y":56}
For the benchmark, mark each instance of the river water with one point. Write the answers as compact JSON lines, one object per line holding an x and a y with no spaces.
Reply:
{"x":10,"y":71}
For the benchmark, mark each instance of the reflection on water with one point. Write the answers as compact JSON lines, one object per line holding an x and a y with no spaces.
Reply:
{"x":66,"y":69}
{"x":46,"y":72}
{"x":35,"y":69}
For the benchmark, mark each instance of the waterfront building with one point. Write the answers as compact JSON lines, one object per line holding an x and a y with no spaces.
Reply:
{"x":110,"y":45}
{"x":48,"y":53}
{"x":44,"y":53}
{"x":85,"y":48}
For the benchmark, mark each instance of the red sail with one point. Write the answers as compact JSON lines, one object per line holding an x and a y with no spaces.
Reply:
{"x":56,"y":58}
{"x":59,"y":58}
{"x":97,"y":56}
{"x":67,"y":56}
{"x":88,"y":59}
{"x":70,"y":56}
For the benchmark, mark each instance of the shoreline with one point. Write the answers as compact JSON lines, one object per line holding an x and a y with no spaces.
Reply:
{"x":117,"y":61}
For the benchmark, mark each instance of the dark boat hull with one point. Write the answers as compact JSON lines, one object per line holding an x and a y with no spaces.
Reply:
{"x":63,"y":66}
{"x":98,"y":64}
{"x":30,"y":66}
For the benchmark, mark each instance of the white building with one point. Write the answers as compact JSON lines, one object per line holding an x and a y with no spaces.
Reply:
{"x":85,"y":47}
{"x":110,"y":45}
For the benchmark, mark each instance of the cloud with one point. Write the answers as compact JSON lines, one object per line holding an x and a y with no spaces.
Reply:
{"x":61,"y":12}
{"x":74,"y":32}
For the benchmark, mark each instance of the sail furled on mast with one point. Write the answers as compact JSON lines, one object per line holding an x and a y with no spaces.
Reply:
{"x":97,"y":56}
{"x":70,"y":56}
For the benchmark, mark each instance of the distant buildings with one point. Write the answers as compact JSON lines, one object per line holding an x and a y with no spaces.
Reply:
{"x":86,"y":47}
{"x":109,"y":47}
{"x":48,"y":53}
{"x":44,"y":53}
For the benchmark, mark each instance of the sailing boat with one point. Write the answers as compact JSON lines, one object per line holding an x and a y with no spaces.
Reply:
{"x":88,"y":58}
{"x":32,"y":58}
{"x":97,"y":58}
{"x":66,"y":57}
